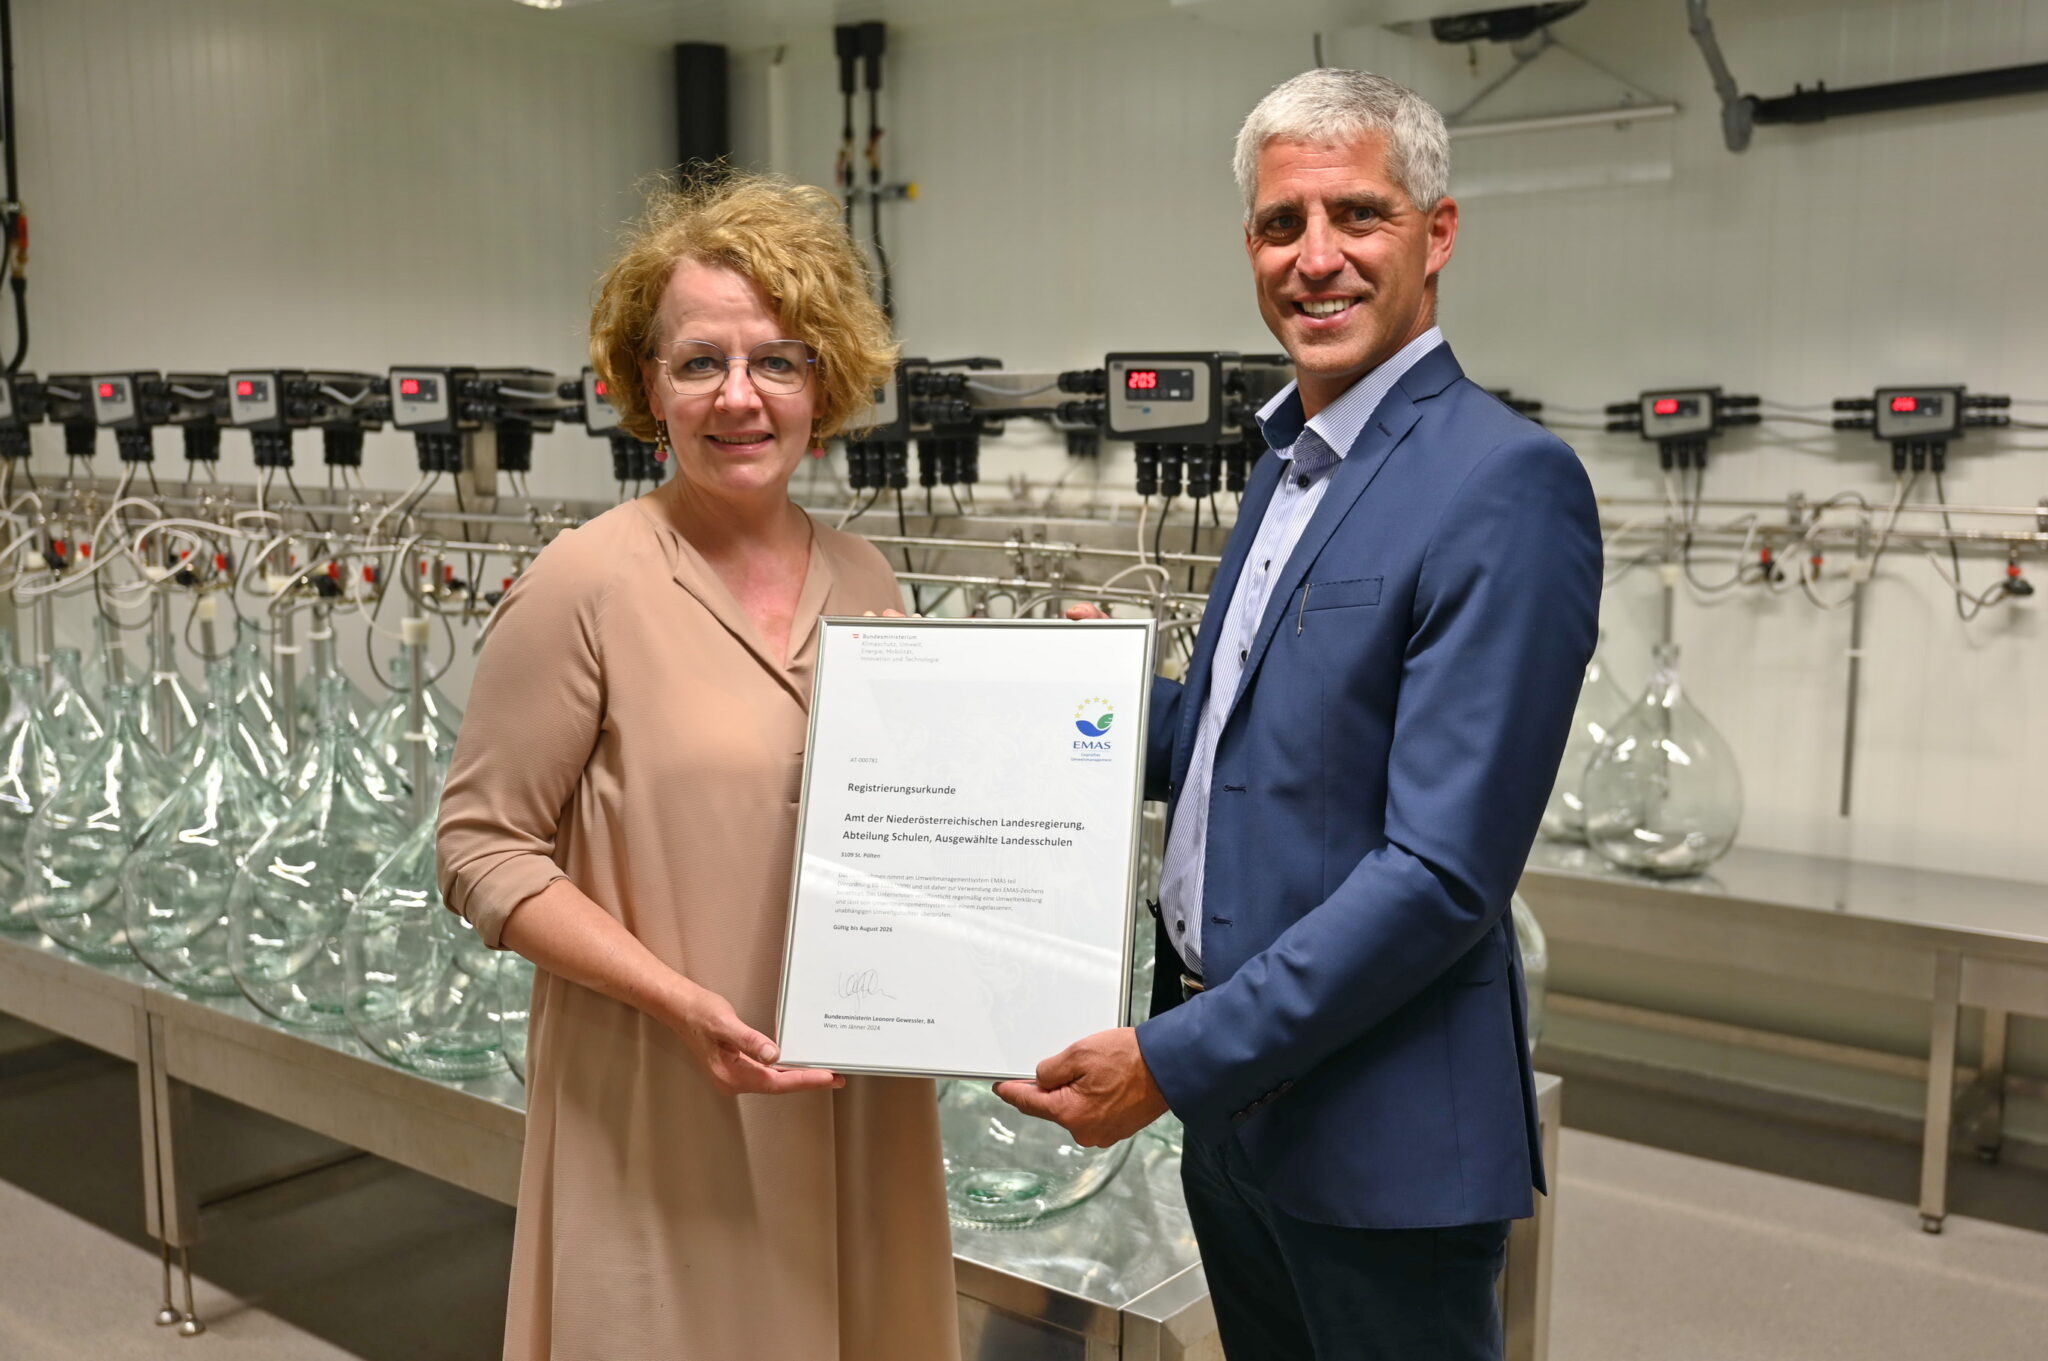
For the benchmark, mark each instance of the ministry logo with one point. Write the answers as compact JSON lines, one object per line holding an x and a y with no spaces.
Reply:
{"x":1092,"y":718}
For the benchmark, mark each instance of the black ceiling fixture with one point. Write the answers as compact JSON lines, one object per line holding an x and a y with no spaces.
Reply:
{"x":1509,"y":25}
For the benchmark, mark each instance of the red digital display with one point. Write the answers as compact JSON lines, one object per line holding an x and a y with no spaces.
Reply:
{"x":1141,"y":380}
{"x":245,"y":388}
{"x":1665,"y":406}
{"x":408,"y":387}
{"x":604,"y":389}
{"x":1905,"y":406}
{"x":107,"y":391}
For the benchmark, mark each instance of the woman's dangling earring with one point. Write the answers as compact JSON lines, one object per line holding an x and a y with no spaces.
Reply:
{"x":661,"y":445}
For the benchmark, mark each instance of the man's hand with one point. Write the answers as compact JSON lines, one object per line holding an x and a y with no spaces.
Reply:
{"x":1085,"y":610}
{"x":1097,"y":1088}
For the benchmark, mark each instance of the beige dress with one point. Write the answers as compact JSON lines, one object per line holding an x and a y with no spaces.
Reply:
{"x":628,"y":731}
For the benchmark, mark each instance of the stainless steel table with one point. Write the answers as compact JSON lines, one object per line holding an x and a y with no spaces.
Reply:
{"x":1118,"y":1277}
{"x":1943,"y":940}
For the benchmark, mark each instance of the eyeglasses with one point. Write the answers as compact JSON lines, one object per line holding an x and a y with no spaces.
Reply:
{"x":697,"y":367}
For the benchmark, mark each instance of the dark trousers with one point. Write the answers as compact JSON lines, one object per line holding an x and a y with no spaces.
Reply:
{"x":1288,"y":1290}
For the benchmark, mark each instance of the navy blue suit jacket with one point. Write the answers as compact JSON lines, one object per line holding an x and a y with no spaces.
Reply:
{"x":1377,"y":787}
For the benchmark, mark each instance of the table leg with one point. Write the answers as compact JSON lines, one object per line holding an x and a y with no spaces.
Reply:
{"x":177,"y":1210}
{"x":1991,"y":1077}
{"x":1945,"y":1017}
{"x":167,"y":1314}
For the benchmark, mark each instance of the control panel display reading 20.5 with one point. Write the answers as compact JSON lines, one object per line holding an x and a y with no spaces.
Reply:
{"x":1160,"y":385}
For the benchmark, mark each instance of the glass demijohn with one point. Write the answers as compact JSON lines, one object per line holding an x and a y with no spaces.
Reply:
{"x":422,"y":985}
{"x":30,"y":771}
{"x":1663,"y":796}
{"x":1005,"y":1169}
{"x":298,"y":884}
{"x":81,"y":836}
{"x":253,"y":693}
{"x":385,"y":730}
{"x":1600,"y":705}
{"x":71,"y":720}
{"x":174,"y":888}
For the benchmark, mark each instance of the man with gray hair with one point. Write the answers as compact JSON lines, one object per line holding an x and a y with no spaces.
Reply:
{"x":1356,"y":763}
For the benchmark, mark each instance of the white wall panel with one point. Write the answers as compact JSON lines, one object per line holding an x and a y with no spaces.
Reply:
{"x":221,"y":183}
{"x":1076,"y":199}
{"x":358,"y":182}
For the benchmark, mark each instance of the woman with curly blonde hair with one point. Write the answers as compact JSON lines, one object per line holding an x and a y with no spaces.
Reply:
{"x":621,"y":810}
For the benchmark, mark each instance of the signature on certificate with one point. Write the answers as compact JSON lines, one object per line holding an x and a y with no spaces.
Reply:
{"x":859,"y":987}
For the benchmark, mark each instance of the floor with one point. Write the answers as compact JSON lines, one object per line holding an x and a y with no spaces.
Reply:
{"x":1775,"y":1247}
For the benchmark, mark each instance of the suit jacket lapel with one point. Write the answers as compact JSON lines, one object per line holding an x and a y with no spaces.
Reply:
{"x":1258,"y":493}
{"x":1397,"y":414}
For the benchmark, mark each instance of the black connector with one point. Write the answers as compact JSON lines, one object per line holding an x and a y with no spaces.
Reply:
{"x":1172,"y":459}
{"x":872,"y":40}
{"x":1087,"y":382}
{"x":1147,"y":456}
{"x":846,"y":45}
{"x":342,"y":446}
{"x":135,"y":446}
{"x":273,"y":448}
{"x":438,"y":453}
{"x":202,"y":443}
{"x":515,"y":447}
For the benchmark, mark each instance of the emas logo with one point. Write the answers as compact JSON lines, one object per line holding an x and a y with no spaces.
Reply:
{"x":1093,"y":718}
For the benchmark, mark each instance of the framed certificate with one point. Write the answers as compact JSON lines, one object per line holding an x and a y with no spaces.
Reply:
{"x":967,"y":844}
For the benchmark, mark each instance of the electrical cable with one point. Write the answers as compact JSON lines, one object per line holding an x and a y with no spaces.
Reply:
{"x":1968,"y":606}
{"x":13,"y":220}
{"x":992,"y":390}
{"x":875,"y":196}
{"x":903,"y":528}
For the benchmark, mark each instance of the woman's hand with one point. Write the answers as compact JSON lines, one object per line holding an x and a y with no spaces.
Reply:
{"x":1084,"y":610}
{"x":739,"y":1058}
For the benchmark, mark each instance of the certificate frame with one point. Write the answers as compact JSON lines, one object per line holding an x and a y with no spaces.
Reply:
{"x":1133,"y":810}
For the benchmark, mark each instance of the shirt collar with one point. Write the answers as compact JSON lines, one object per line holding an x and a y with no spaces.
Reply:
{"x":1341,"y":422}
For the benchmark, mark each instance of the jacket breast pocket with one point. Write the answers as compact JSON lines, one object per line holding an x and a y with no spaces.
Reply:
{"x":1340,"y":595}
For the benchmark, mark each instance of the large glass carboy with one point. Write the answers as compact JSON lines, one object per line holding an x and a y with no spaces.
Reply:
{"x":174,"y":887}
{"x":71,"y":720}
{"x":298,"y":884}
{"x":253,"y":691}
{"x":80,"y":838}
{"x":387,"y":727}
{"x":1006,"y":1169}
{"x":422,"y":986}
{"x":1663,"y":795}
{"x":31,"y":769}
{"x":1600,"y":705}
{"x":170,"y":711}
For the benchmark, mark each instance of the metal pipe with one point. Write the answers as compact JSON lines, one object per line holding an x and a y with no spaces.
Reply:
{"x":416,"y":754}
{"x":160,"y":662}
{"x":286,"y":653}
{"x":1855,"y":694}
{"x":1820,"y":103}
{"x":1736,"y":120}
